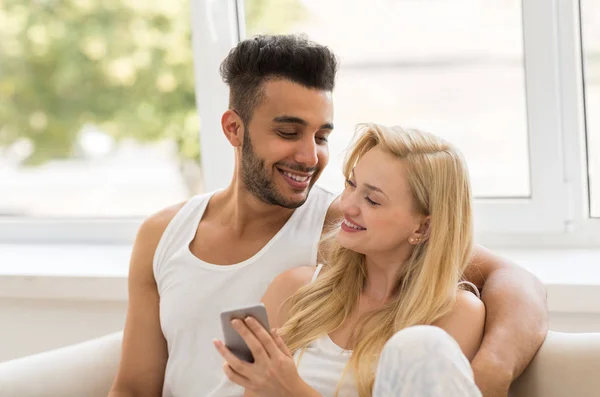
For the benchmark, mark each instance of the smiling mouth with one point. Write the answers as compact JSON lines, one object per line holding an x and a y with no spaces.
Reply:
{"x":295,"y":177}
{"x":297,"y":181}
{"x":351,"y":225}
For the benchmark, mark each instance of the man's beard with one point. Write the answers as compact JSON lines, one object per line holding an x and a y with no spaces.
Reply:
{"x":256,"y":177}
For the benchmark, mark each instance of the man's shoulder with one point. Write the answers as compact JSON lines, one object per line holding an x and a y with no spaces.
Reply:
{"x":322,"y":193}
{"x":329,"y":198}
{"x":158,"y":222}
{"x":334,"y":212}
{"x":154,"y":226}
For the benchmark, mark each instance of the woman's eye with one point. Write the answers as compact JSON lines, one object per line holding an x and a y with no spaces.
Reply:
{"x":349,"y":183}
{"x":371,"y":202}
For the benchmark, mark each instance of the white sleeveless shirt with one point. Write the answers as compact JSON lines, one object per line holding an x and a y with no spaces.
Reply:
{"x":322,"y":363}
{"x":193,"y":292}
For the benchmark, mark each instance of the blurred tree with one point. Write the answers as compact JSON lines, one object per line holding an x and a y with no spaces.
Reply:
{"x":123,"y":66}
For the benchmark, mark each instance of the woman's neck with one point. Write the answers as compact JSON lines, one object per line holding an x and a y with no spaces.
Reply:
{"x":382,"y":273}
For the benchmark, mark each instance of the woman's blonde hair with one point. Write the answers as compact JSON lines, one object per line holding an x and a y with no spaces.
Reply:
{"x":427,"y":284}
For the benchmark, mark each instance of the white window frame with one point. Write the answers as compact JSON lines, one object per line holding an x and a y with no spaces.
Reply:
{"x":546,"y":210}
{"x":579,"y":231}
{"x":214,"y":33}
{"x":556,"y":214}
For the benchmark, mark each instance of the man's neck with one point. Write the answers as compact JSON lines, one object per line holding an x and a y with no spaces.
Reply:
{"x":244,"y":213}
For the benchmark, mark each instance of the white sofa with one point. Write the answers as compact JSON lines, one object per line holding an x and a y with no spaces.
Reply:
{"x":567,"y":365}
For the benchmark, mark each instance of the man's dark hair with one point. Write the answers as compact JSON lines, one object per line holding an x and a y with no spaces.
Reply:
{"x":259,"y":59}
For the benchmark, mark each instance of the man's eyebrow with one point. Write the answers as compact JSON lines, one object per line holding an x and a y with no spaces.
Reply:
{"x":290,"y":119}
{"x":302,"y":122}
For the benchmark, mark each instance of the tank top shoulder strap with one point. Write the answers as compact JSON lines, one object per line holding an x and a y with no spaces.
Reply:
{"x":472,"y":286}
{"x":316,"y":273}
{"x":181,"y":229}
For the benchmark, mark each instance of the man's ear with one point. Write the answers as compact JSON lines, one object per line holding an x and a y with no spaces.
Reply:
{"x":233,"y":127}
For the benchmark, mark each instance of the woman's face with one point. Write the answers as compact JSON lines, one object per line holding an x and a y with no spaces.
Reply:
{"x":379,"y":211}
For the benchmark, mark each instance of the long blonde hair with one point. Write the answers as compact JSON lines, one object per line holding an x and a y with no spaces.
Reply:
{"x":427,"y":285}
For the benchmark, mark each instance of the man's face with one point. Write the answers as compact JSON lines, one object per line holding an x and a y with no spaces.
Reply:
{"x":285,"y":145}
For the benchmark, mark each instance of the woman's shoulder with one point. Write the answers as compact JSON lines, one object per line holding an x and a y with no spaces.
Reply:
{"x":465,"y":322}
{"x":282,"y":288}
{"x":469,"y":306}
{"x":467,"y":309}
{"x":295,"y":278}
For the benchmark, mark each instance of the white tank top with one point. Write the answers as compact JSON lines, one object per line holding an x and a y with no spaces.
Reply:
{"x":193,"y":292}
{"x":322,"y":364}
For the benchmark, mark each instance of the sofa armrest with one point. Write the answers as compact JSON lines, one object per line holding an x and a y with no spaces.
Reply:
{"x":567,"y":364}
{"x":86,"y":369}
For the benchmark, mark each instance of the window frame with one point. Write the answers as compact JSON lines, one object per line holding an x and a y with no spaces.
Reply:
{"x":556,"y":214}
{"x":546,"y":209}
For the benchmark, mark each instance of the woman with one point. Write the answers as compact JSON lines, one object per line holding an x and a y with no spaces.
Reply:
{"x":362,"y":324}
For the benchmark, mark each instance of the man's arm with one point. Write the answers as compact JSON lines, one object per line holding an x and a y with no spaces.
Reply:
{"x":516,"y":321}
{"x":144,"y":351}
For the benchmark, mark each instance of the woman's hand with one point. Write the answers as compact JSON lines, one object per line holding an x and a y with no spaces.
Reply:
{"x":273,"y":373}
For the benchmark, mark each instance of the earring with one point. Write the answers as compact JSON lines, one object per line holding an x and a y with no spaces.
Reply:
{"x":411,"y":240}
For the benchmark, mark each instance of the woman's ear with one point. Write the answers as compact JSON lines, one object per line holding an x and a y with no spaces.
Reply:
{"x":233,"y":127}
{"x":422,"y":233}
{"x":424,"y":230}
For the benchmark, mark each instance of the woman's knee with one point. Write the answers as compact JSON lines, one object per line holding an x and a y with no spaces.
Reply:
{"x":420,"y":353}
{"x":420,"y":337}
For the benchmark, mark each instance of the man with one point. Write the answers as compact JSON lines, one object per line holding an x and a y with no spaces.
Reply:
{"x":222,"y":249}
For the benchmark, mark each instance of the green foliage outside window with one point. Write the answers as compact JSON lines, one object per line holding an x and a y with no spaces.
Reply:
{"x":122,"y":66}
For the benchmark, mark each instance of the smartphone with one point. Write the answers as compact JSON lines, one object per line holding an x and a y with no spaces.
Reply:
{"x":232,"y":339}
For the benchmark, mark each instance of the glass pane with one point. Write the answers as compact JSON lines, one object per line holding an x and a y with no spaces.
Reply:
{"x":452,"y":67}
{"x":590,"y":23}
{"x":97,"y":107}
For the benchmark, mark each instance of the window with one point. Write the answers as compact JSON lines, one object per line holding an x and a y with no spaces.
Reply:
{"x":460,"y":75}
{"x":470,"y":71}
{"x":590,"y":28}
{"x":97,"y":108}
{"x":99,"y":120}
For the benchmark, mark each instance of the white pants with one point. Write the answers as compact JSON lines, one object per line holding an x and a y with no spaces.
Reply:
{"x":424,"y":361}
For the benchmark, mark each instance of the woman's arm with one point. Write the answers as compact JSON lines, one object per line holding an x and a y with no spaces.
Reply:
{"x":465,"y":323}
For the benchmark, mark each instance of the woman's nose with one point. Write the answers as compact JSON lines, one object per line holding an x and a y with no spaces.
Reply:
{"x":348,"y":202}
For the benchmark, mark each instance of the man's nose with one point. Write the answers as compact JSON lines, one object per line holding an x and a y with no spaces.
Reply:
{"x":306,"y":152}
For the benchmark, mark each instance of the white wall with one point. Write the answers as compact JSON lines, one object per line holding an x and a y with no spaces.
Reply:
{"x":29,"y":325}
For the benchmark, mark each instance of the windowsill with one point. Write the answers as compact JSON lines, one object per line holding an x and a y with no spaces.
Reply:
{"x":99,"y":273}
{"x":56,"y":271}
